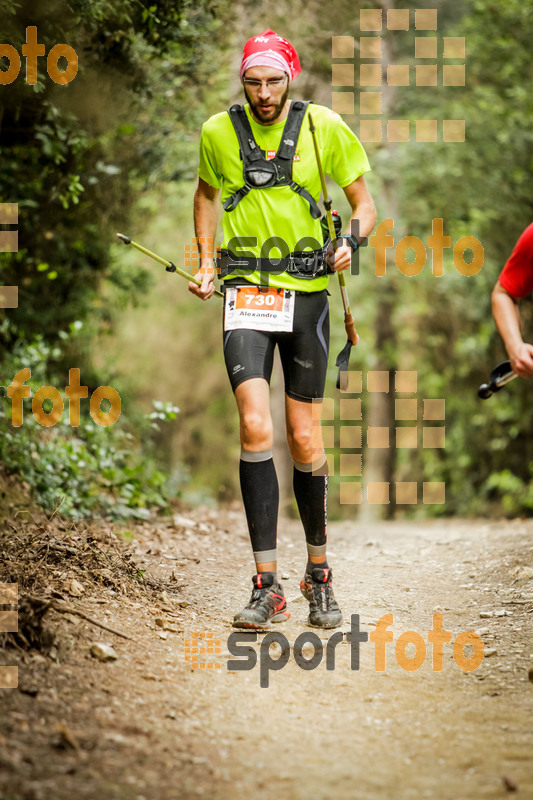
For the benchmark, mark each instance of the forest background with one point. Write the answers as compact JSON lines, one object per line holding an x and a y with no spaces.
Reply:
{"x":117,"y":150}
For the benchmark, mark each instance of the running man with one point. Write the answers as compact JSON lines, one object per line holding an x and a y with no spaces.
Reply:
{"x":515,"y":281}
{"x":260,"y":159}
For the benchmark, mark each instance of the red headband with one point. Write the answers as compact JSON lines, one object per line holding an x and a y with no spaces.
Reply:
{"x":270,"y":50}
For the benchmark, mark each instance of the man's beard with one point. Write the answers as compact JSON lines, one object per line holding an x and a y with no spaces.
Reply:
{"x":273,"y":113}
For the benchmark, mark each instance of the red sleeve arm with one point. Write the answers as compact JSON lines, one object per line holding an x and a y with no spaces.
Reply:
{"x":517,"y":275}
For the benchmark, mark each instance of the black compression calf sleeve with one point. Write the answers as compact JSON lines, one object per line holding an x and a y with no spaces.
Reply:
{"x":260,"y":494}
{"x":311,"y":490}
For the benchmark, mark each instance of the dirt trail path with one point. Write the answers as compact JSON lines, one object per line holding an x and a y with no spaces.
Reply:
{"x":149,"y":727}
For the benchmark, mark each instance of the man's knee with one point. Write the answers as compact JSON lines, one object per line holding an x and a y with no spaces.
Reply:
{"x":256,"y":428}
{"x":300,"y":440}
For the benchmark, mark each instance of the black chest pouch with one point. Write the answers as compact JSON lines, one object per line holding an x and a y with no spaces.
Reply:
{"x":262,"y":174}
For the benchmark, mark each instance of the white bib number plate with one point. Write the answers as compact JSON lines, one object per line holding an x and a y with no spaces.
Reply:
{"x":260,"y":310}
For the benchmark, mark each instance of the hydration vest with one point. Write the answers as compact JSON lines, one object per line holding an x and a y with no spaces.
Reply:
{"x":260,"y":172}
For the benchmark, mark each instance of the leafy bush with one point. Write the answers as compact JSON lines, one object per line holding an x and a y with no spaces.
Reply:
{"x":516,"y":494}
{"x":89,"y":469}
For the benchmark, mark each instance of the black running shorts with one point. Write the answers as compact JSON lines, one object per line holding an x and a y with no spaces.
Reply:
{"x":303,"y":352}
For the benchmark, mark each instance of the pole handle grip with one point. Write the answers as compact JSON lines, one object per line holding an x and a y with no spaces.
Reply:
{"x":349,"y":324}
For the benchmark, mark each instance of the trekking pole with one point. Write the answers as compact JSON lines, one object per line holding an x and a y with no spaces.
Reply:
{"x":344,"y":356}
{"x":168,"y":264}
{"x":499,"y":376}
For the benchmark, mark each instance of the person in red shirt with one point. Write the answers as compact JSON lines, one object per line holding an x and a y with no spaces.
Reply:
{"x":515,"y":281}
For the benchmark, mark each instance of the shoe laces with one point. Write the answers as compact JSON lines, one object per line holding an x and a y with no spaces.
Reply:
{"x":322,"y":590}
{"x":259,"y":594}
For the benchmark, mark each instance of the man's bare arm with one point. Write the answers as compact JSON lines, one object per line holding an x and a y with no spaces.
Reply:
{"x":507,"y":318}
{"x":363,"y":210}
{"x":205,"y":226}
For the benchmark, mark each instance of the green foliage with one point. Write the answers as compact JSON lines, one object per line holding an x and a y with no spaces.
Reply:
{"x":77,"y":159}
{"x":163,"y":411}
{"x":74,"y":158}
{"x":89,"y":469}
{"x":516,"y":494}
{"x":440,"y":327}
{"x":71,"y":156}
{"x":443,"y":327}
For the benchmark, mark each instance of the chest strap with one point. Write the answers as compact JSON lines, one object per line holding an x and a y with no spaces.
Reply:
{"x":305,"y":264}
{"x":262,"y":173}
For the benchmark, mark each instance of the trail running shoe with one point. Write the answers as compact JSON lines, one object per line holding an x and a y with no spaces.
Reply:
{"x":324,"y":611}
{"x":266,"y":605}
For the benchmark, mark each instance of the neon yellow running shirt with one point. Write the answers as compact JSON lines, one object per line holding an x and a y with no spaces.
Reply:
{"x":279,"y":211}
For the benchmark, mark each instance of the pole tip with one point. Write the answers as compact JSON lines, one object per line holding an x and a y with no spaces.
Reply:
{"x":343,"y":380}
{"x":125,"y":239}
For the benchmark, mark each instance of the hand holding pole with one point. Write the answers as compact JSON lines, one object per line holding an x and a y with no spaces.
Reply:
{"x":168,"y":264}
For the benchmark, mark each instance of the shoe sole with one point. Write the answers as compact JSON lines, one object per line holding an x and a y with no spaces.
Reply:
{"x":329,"y":625}
{"x":279,"y":617}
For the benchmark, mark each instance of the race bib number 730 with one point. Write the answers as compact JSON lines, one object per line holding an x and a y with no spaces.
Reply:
{"x":259,"y":309}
